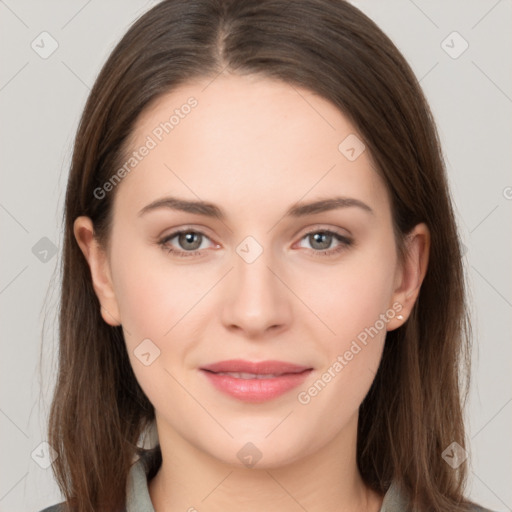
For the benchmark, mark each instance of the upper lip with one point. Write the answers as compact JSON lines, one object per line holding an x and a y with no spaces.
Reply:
{"x":258,"y":368}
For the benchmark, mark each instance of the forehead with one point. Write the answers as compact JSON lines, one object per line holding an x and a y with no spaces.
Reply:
{"x":247,"y":142}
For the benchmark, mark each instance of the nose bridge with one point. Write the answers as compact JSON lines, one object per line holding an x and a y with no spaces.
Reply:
{"x":258,"y":299}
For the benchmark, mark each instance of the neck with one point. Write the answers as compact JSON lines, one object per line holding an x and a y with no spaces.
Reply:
{"x":327,"y":480}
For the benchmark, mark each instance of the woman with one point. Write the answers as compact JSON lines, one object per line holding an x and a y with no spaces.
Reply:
{"x":278,"y":375}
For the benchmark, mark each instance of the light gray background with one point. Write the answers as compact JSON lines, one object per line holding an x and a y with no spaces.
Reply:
{"x":40,"y":103}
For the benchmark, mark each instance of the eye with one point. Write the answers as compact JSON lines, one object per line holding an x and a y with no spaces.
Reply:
{"x":190,"y":240}
{"x":321,"y":241}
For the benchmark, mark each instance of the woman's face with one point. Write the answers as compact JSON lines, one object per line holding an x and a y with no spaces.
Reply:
{"x":254,"y":282}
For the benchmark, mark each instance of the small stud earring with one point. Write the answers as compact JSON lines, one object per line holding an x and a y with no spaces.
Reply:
{"x":400,"y":317}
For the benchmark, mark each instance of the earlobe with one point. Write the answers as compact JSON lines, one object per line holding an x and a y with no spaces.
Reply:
{"x":97,"y":260}
{"x":411,"y":275}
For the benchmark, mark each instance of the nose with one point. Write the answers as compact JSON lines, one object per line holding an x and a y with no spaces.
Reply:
{"x":257,"y":299}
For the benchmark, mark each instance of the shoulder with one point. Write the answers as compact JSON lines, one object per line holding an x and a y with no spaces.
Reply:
{"x":396,"y":500}
{"x":475,"y":507}
{"x":146,"y":466}
{"x":59,"y":507}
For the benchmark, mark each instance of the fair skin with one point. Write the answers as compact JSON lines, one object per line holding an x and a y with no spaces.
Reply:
{"x":254,"y":147}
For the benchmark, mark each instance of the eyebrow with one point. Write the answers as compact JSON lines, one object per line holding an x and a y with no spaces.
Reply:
{"x":211,"y":210}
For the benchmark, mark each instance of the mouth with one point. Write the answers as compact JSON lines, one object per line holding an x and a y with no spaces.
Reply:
{"x":244,"y":375}
{"x":255,"y":381}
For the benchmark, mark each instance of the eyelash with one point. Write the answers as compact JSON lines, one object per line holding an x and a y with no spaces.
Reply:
{"x":345,"y":243}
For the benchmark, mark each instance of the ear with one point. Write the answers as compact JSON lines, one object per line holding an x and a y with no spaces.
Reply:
{"x":97,"y":259}
{"x":409,"y":277}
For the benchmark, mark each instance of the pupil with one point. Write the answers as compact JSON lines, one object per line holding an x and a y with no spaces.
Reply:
{"x":317,"y":238}
{"x":187,"y":238}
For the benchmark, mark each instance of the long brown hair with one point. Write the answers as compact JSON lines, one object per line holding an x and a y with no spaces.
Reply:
{"x":414,"y":409}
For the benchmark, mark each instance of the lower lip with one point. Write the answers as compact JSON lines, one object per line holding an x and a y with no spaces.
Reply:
{"x":256,"y":390}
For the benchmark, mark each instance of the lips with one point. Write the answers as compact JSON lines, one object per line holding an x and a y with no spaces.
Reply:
{"x":275,"y":368}
{"x":255,"y":381}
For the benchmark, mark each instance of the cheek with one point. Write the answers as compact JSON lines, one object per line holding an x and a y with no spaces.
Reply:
{"x":352,"y":295}
{"x":356,"y":307}
{"x":152,"y":293}
{"x":156,"y":303}
{"x":356,"y":310}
